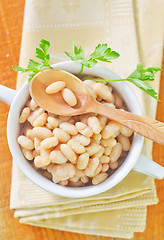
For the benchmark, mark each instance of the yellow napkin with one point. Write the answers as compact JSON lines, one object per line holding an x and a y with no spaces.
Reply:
{"x":135,"y":30}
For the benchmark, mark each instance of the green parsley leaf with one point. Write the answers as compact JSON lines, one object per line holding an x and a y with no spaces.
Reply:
{"x":89,"y":63}
{"x":32,"y":65}
{"x":77,"y":55}
{"x":101,"y":53}
{"x":145,"y":87}
{"x":144,"y":74}
{"x":31,"y":75}
{"x":139,"y":77}
{"x":44,"y":45}
{"x":104,"y":54}
{"x":35,"y":67}
{"x":19,"y":69}
{"x":40,"y":54}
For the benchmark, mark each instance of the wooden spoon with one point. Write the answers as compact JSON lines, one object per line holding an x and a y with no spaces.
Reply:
{"x":86,"y":103}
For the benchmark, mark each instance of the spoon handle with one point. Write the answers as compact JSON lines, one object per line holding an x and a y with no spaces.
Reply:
{"x":149,"y":128}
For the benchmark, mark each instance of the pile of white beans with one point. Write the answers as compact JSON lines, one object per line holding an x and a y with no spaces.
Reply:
{"x":74,"y":151}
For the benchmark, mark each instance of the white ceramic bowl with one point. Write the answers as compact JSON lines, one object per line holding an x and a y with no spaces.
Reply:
{"x":13,"y":131}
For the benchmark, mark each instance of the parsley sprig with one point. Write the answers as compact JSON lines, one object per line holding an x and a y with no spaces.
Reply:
{"x":35,"y":67}
{"x":139,"y":77}
{"x":102,"y":53}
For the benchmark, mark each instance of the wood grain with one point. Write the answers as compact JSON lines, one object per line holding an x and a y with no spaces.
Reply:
{"x":11,"y":20}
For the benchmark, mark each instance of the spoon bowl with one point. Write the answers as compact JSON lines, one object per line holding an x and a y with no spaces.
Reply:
{"x":55,"y":103}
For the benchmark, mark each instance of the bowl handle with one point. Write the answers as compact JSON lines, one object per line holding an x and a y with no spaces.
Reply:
{"x":7,"y":94}
{"x":149,"y":167}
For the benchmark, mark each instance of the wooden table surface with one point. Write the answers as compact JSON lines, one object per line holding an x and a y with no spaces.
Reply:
{"x":11,"y":20}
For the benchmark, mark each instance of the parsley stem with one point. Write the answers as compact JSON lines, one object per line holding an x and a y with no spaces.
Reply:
{"x":105,"y":80}
{"x":82,"y":67}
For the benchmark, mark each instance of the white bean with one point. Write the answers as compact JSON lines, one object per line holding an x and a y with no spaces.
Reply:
{"x":94,"y":124}
{"x":107,"y":150}
{"x":103,"y":120}
{"x":118,"y":101}
{"x":63,"y":183}
{"x":101,"y":177}
{"x":38,"y":162}
{"x":84,"y":129}
{"x":97,"y":137}
{"x":28,"y":154}
{"x":104,"y":159}
{"x":37,"y":142}
{"x":103,"y":91}
{"x":116,"y":152}
{"x":76,"y":184}
{"x":42,"y":132}
{"x":41,"y":120}
{"x":55,"y":180}
{"x":33,"y":103}
{"x":92,"y":166}
{"x":45,"y":156}
{"x":61,"y":135}
{"x":125,"y":131}
{"x":24,"y":115}
{"x":82,"y":161}
{"x":63,"y":172}
{"x":49,"y":167}
{"x":111,"y":130}
{"x":100,"y":152}
{"x":49,"y":126}
{"x":35,"y":114}
{"x":49,"y":142}
{"x":69,"y":128}
{"x":98,"y":169}
{"x":79,"y":173}
{"x":89,"y":83}
{"x":57,"y":156}
{"x":84,"y":179}
{"x":68,"y":152}
{"x":74,"y":179}
{"x":69,"y":97}
{"x":93,"y":148}
{"x":25,"y":142}
{"x":29,"y":133}
{"x":55,"y":87}
{"x":124,"y":141}
{"x":76,"y":146}
{"x":110,"y":142}
{"x":53,"y":121}
{"x":80,"y":126}
{"x":113,"y":165}
{"x":85,"y":141}
{"x":105,"y":167}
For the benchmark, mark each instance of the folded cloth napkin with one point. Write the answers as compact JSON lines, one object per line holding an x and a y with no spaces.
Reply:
{"x":132,"y":31}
